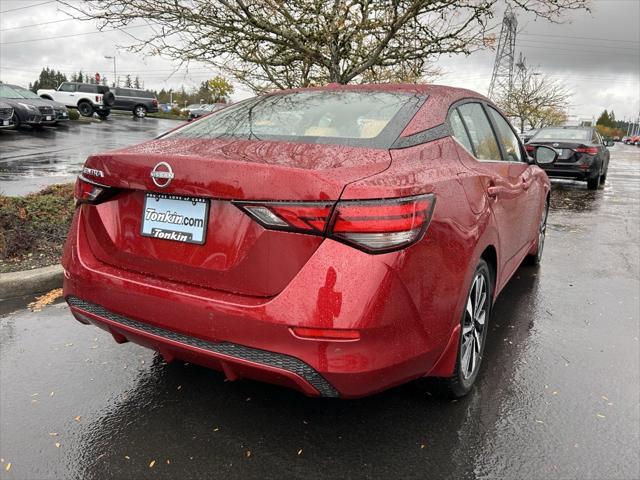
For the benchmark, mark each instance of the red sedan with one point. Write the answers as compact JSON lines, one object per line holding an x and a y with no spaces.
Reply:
{"x":337,"y":240}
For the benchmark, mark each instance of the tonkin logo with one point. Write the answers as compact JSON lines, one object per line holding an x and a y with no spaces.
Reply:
{"x":162,"y":174}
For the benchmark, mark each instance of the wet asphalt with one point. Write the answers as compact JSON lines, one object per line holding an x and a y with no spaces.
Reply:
{"x":32,"y":159}
{"x":558,"y":396}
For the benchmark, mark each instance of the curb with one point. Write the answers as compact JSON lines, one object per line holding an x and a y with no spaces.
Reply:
{"x":28,"y":282}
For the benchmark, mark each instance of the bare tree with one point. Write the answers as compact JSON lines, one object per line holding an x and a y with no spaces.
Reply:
{"x":535,"y":99}
{"x":275,"y":43}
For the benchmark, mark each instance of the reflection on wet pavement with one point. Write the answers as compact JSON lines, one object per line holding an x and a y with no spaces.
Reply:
{"x":31,"y":159}
{"x":558,"y":396}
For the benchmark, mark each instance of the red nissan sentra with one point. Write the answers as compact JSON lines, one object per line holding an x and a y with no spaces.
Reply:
{"x":337,"y":240}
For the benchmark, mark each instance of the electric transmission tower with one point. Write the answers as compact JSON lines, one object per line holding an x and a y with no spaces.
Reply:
{"x":502,"y":77}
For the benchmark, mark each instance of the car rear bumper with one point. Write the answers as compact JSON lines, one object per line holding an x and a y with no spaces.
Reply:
{"x":570,"y":171}
{"x":251,"y":336}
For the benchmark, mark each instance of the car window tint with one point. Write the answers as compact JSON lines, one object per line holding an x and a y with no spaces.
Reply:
{"x":67,"y":87}
{"x":508,"y":139}
{"x":484,"y":141}
{"x":87,"y":88}
{"x":560,"y":133}
{"x":458,"y":130}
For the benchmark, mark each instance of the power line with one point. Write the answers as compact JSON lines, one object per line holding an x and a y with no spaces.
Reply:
{"x":71,"y":35}
{"x":28,"y":6}
{"x":579,"y":38}
{"x":36,"y":24}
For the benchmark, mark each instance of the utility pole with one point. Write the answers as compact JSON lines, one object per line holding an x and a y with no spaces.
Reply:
{"x":502,"y":77}
{"x":109,"y":57}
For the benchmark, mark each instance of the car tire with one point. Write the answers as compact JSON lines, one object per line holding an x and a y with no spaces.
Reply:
{"x":139,"y":111}
{"x":85,"y":109}
{"x":108,"y":99}
{"x":473,"y":333}
{"x":103,"y":114}
{"x":535,"y":258}
{"x":603,"y":177}
{"x":593,"y":183}
{"x":16,"y":121}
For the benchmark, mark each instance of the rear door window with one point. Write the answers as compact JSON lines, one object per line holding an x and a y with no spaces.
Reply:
{"x":87,"y":88}
{"x":483,"y":140}
{"x":459,"y":132}
{"x":508,"y":139}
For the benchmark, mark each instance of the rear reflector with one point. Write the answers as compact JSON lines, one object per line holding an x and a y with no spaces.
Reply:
{"x":325,"y":333}
{"x":375,"y":226}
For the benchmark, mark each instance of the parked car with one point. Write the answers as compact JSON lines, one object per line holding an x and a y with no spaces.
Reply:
{"x":24,"y":112}
{"x":635,"y":140}
{"x":526,"y":136}
{"x":582,"y":153}
{"x":205,"y":110}
{"x":88,"y":98}
{"x":193,"y":106}
{"x":6,"y":115}
{"x":358,"y":248}
{"x":139,"y":102}
{"x":48,"y":108}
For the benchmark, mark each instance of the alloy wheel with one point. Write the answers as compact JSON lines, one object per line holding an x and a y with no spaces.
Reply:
{"x":473,"y":326}
{"x":542,"y":231}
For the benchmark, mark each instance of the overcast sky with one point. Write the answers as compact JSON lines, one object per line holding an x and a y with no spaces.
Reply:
{"x":597,"y":55}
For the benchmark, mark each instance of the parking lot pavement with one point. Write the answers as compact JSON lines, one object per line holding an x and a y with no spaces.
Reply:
{"x":32,"y":159}
{"x":558,"y":395}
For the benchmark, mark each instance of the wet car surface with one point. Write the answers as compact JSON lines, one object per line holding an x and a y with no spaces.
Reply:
{"x":558,"y":395}
{"x":32,"y":159}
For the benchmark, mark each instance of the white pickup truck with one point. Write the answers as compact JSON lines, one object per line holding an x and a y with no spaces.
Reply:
{"x":88,"y":98}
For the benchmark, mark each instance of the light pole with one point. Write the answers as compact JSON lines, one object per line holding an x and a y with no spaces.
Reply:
{"x":115,"y":78}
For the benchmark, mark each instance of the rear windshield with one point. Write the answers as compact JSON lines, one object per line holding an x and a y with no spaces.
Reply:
{"x":373,"y":119}
{"x":563,"y":134}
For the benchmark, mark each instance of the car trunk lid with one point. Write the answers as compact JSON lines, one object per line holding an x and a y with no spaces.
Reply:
{"x":238,"y":255}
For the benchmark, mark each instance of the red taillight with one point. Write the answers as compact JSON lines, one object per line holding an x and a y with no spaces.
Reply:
{"x":98,"y":98}
{"x":529,"y":148}
{"x":326,"y":334}
{"x":587,"y":150}
{"x":86,"y":191}
{"x":154,"y":102}
{"x":375,"y":226}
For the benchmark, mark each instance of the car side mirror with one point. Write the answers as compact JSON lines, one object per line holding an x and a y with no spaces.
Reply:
{"x":545,"y":155}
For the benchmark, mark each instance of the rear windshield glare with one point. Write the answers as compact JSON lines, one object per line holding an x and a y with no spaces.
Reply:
{"x":562,"y":134}
{"x":373,"y":119}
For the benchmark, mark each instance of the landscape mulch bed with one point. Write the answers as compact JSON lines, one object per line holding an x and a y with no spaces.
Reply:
{"x":33,"y":228}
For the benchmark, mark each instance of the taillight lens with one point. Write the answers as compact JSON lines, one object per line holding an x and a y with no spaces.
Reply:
{"x":587,"y":150}
{"x":86,"y":191}
{"x":374,"y":226}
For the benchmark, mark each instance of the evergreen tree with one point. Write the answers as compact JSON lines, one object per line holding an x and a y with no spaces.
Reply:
{"x":136,"y":82}
{"x":127,"y":81}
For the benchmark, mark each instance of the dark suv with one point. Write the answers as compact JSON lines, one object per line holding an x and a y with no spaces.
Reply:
{"x":140,"y":102}
{"x":582,"y":153}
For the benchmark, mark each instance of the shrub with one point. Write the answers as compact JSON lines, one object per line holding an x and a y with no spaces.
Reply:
{"x":74,"y":115}
{"x":37,"y":223}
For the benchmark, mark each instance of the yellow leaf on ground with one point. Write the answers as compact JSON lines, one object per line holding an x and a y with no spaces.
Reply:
{"x":8,"y":467}
{"x":153,"y":462}
{"x":44,"y":300}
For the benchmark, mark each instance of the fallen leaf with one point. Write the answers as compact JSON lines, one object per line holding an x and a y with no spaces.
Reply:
{"x":153,"y":462}
{"x":57,"y":445}
{"x":34,"y":394}
{"x":179,"y":387}
{"x":422,"y":446}
{"x":8,"y":467}
{"x":51,"y":394}
{"x":539,"y":421}
{"x":216,"y":429}
{"x":127,"y":457}
{"x":300,"y":452}
{"x":555,"y":392}
{"x":53,"y":434}
{"x":77,"y":419}
{"x":44,"y":300}
{"x":605,"y":398}
{"x":168,"y":462}
{"x":599,"y":415}
{"x":248,"y":453}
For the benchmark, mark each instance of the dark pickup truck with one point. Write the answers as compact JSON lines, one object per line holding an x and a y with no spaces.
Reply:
{"x":139,"y":102}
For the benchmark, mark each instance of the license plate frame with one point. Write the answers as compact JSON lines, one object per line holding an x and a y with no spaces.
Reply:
{"x":183,"y":207}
